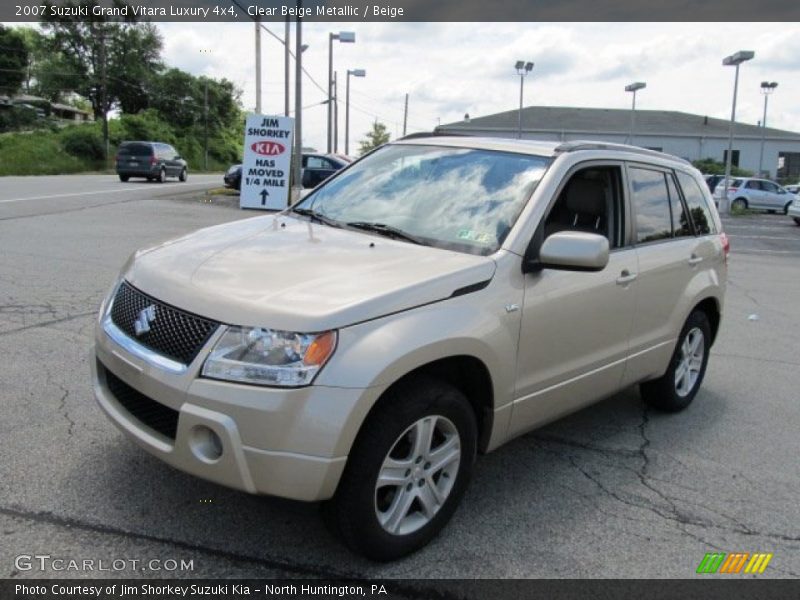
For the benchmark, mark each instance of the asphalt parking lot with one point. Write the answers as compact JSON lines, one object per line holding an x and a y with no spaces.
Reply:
{"x":612,"y":491}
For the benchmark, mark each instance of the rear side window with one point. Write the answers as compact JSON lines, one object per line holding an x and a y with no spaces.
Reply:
{"x":136,"y":150}
{"x":651,"y":205}
{"x":681,"y":226}
{"x":697,"y":202}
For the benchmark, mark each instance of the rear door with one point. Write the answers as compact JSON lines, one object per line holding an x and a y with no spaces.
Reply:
{"x":669,"y":256}
{"x":134,"y":156}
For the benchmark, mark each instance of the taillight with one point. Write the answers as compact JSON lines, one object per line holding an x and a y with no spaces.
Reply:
{"x":153,"y":160}
{"x":726,"y":244}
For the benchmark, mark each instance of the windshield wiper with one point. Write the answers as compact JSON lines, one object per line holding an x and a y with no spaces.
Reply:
{"x":315,"y":216}
{"x":386,"y":230}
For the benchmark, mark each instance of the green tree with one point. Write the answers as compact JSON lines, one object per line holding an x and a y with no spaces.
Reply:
{"x":13,"y":60}
{"x":377,"y":136}
{"x":106,"y":62}
{"x":709,"y":166}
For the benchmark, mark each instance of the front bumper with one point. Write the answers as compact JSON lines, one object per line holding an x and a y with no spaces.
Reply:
{"x":794,"y":209}
{"x":284,"y":442}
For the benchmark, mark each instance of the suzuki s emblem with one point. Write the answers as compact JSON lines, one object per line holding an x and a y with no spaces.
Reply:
{"x":146,"y":317}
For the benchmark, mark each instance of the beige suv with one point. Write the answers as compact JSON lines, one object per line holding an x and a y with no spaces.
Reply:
{"x":428,"y":303}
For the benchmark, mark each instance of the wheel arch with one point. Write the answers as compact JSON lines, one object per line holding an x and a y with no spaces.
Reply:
{"x":710,"y":306}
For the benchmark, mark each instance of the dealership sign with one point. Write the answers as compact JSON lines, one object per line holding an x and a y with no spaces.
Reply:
{"x":267,"y":162}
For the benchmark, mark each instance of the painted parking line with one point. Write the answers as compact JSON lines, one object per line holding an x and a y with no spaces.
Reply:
{"x":108,"y":191}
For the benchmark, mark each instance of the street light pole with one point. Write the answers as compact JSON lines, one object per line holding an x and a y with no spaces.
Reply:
{"x":335,"y":111}
{"x":345,"y":37}
{"x":523,"y":68}
{"x":297,"y":159}
{"x":766,"y":88}
{"x":354,"y":73}
{"x":733,"y":60}
{"x":633,"y":87}
{"x":258,"y":65}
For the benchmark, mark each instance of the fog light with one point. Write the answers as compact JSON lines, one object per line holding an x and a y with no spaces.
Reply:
{"x":205,"y":444}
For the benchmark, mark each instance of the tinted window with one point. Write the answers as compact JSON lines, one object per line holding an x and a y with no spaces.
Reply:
{"x":651,"y":205}
{"x":768,"y":186}
{"x":317,"y":162}
{"x":752,"y":185}
{"x":698,"y":205}
{"x":680,"y":219}
{"x":136,"y":150}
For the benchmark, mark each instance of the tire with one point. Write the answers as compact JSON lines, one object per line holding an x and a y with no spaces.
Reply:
{"x":672,"y":392}
{"x":739,"y":204}
{"x":124,"y":178}
{"x":796,"y":220}
{"x":786,"y":208}
{"x":162,"y":175}
{"x":387,"y":522}
{"x":184,"y":175}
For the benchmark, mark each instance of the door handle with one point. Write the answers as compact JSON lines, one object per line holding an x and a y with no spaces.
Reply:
{"x":694,"y":259}
{"x":626,"y":277}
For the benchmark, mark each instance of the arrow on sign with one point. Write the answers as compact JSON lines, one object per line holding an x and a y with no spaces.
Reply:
{"x":264,"y":194}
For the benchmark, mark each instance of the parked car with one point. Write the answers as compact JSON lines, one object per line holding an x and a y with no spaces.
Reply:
{"x":437,"y":299}
{"x":155,"y":161}
{"x":794,"y":210}
{"x":749,"y":192}
{"x":316,"y":169}
{"x":793,"y":189}
{"x":233,"y":177}
{"x":713,"y":180}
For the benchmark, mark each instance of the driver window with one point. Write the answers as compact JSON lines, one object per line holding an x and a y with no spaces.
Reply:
{"x":590,"y":202}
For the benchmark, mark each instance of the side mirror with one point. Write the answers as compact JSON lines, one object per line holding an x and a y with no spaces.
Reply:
{"x":574,"y":251}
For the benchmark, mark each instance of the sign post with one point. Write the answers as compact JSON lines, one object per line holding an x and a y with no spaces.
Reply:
{"x":267,"y":162}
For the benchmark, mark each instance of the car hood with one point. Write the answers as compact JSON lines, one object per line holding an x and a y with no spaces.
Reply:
{"x":289,"y":274}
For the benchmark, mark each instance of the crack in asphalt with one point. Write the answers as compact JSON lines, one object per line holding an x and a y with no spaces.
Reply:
{"x":44,"y":324}
{"x":422,"y":592}
{"x":62,"y":408}
{"x":671,"y":512}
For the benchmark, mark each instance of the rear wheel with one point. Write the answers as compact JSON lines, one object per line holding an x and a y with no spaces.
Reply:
{"x":796,"y":220}
{"x":407,"y":471}
{"x":124,"y":177}
{"x":739,"y":204}
{"x":162,"y":175}
{"x":676,"y":389}
{"x":184,"y":175}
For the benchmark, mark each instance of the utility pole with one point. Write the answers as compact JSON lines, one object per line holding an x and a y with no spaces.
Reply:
{"x":335,"y":112}
{"x":405,"y":116}
{"x":104,"y":91}
{"x":205,"y":134}
{"x":257,"y":23}
{"x":297,"y":163}
{"x":286,"y":40}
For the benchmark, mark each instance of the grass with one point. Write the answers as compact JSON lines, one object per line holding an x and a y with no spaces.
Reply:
{"x":39,"y":153}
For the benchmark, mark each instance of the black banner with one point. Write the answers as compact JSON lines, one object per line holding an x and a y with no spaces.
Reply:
{"x":440,"y":589}
{"x":402,"y":10}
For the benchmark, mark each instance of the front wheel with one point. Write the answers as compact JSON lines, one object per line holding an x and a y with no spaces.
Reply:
{"x":796,"y":220}
{"x":184,"y":175}
{"x":786,"y":208}
{"x":407,"y":471}
{"x":162,"y":175}
{"x":676,"y":389}
{"x":124,"y":178}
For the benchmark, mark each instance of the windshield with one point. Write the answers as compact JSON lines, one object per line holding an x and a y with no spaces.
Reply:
{"x":455,"y":198}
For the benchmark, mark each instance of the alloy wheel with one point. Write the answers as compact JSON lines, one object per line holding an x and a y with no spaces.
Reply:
{"x":417,"y":475}
{"x":690,"y":362}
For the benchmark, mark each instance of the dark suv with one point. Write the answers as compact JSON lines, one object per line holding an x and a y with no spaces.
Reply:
{"x":153,"y":160}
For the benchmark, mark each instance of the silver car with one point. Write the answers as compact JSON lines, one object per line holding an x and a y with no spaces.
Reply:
{"x":422,"y":306}
{"x":750,"y":192}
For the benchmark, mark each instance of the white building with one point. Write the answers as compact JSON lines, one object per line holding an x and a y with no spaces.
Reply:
{"x":682,"y":134}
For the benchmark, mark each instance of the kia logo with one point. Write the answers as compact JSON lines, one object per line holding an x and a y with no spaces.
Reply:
{"x":268,"y":148}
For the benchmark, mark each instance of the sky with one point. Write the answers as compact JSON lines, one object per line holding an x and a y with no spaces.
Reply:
{"x":449,"y":69}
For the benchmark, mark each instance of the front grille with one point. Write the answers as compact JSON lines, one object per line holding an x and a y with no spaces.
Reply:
{"x":172,"y":332}
{"x":147,"y":411}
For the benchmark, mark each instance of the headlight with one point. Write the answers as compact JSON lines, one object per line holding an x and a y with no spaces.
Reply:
{"x":269,"y":357}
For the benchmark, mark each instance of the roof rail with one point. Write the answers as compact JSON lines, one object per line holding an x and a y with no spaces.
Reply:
{"x":577,"y":145}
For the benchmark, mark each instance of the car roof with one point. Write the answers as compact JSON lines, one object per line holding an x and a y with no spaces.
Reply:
{"x":535,"y":147}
